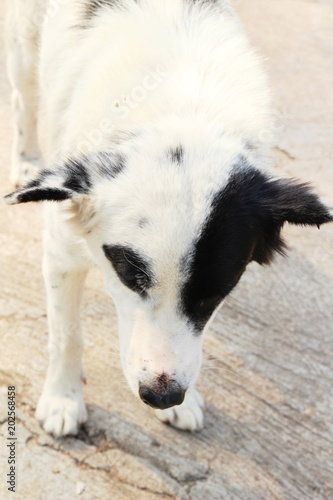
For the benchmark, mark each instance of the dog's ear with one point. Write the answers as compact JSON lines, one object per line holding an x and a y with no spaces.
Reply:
{"x":284,"y":200}
{"x":295,"y":202}
{"x":62,"y":183}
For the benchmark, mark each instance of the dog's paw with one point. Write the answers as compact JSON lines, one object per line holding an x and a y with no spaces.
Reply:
{"x":188,"y":416}
{"x":61,"y":412}
{"x":22,"y":171}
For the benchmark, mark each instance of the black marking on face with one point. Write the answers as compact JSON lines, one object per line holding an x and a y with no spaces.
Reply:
{"x":220,"y":257}
{"x":132,"y":269}
{"x":110,"y":164}
{"x":77,"y":177}
{"x":244,"y":224}
{"x":176,"y":155}
{"x":221,"y":252}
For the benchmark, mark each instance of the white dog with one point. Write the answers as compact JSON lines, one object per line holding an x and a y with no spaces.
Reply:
{"x":151,"y":119}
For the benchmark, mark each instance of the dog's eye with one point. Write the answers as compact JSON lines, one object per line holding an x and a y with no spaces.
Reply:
{"x":132,"y":270}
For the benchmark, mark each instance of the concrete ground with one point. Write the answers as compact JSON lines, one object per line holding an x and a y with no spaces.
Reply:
{"x":268,"y":372}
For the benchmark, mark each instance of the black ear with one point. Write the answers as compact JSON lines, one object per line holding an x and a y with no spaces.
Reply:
{"x":280,"y":201}
{"x":295,"y":202}
{"x":62,"y":183}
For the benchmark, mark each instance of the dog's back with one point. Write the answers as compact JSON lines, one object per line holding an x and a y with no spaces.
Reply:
{"x":118,"y":66}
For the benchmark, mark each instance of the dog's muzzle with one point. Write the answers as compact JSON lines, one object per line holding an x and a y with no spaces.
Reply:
{"x":162,"y":398}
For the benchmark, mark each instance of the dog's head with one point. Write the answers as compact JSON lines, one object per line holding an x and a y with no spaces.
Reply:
{"x":173,"y":233}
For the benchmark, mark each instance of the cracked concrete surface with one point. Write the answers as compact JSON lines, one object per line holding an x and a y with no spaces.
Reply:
{"x":268,"y":371}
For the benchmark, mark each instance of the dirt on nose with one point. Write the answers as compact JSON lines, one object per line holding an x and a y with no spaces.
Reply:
{"x":163,"y":381}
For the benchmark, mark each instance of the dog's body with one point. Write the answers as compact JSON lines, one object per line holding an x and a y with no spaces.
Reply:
{"x":152,"y":117}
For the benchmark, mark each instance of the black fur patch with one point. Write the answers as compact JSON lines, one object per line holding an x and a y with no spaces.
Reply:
{"x":43,"y":194}
{"x":40,"y":179}
{"x":220,"y":257}
{"x":294,"y":202}
{"x":244,"y":225}
{"x":204,"y":2}
{"x":93,"y":6}
{"x":176,"y":155}
{"x":132,"y":269}
{"x":77,"y":177}
{"x":143,"y":222}
{"x":35,"y":191}
{"x":110,"y":164}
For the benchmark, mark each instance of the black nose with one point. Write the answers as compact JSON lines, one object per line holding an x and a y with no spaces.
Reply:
{"x":172,"y":396}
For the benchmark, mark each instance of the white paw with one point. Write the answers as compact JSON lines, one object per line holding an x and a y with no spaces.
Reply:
{"x":23,"y":171}
{"x":61,"y":412}
{"x":188,"y":416}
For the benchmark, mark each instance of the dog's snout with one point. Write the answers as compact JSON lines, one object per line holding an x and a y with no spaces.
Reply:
{"x":162,"y":399}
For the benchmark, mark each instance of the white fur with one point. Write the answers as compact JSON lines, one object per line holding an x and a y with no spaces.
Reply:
{"x":188,"y":416}
{"x":135,"y":70}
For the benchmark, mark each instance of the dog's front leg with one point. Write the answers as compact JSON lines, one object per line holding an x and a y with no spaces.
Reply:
{"x":61,"y":407}
{"x":188,"y":416}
